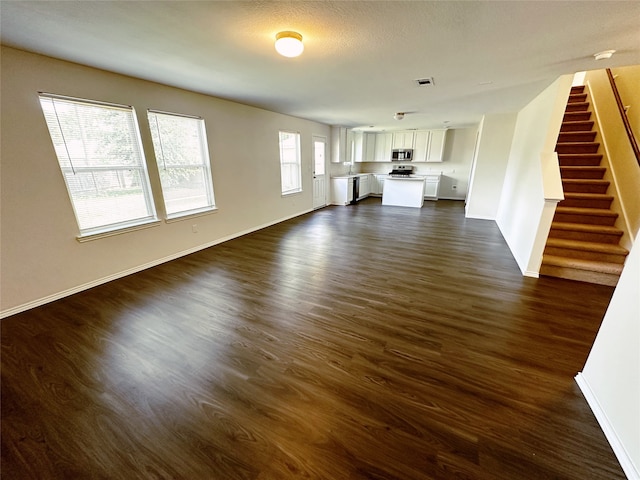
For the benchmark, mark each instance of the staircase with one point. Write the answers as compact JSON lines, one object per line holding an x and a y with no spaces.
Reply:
{"x":583,"y":243}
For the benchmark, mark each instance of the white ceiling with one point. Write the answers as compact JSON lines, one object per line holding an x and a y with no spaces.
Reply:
{"x":361,"y":58}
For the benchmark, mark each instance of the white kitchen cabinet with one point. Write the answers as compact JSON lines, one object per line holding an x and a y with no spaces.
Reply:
{"x":382,"y":151}
{"x":421,"y":145}
{"x":436,"y":146}
{"x":365,"y":186}
{"x":341,"y":144}
{"x":431,"y":186}
{"x":341,"y":190}
{"x":379,"y":184}
{"x":368,"y":147}
{"x":363,"y":146}
{"x":403,"y":139}
{"x":358,"y":146}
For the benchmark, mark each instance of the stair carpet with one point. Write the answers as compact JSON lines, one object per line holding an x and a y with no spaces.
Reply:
{"x":583,"y":243}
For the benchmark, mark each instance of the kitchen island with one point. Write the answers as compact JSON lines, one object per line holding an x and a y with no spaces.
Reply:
{"x":405,"y":191}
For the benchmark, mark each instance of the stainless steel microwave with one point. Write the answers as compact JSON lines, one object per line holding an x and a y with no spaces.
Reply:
{"x":401,"y":154}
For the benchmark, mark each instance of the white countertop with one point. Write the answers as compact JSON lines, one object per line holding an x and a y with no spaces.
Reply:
{"x":407,"y":178}
{"x":351,"y":176}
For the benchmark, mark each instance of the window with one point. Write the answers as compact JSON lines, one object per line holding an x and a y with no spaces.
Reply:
{"x":99,"y":151}
{"x":318,"y":157}
{"x":181,"y":151}
{"x":290,"y":166}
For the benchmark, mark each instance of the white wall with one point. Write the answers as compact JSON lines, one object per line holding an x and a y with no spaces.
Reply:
{"x":522,"y":205}
{"x":490,"y":165}
{"x":41,"y":258}
{"x":611,"y":377}
{"x":618,"y":156}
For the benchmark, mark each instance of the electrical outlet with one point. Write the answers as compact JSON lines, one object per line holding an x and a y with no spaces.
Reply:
{"x":194,"y":228}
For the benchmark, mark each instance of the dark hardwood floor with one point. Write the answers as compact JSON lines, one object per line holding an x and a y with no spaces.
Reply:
{"x":359,"y":342}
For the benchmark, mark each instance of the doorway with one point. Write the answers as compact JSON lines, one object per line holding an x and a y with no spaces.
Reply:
{"x":319,"y":171}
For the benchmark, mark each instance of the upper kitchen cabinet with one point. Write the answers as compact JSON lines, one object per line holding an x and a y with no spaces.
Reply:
{"x":421,"y":145}
{"x":429,"y":146}
{"x":403,"y":139}
{"x":382,"y":147}
{"x":436,"y":145}
{"x":341,"y":144}
{"x":364,"y":146}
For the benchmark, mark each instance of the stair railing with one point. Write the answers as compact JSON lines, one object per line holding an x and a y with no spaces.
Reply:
{"x":623,"y":114}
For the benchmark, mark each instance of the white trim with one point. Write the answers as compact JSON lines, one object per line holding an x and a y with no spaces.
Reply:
{"x":531,"y":273}
{"x":617,"y":446}
{"x":88,"y":237}
{"x":480,"y":217}
{"x":191,"y":214}
{"x":138,"y":268}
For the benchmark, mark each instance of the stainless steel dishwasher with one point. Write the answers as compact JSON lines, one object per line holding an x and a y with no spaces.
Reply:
{"x":356,"y":190}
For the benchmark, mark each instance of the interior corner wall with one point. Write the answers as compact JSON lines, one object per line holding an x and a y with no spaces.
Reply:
{"x":490,"y":165}
{"x":611,"y":376}
{"x":41,"y":258}
{"x":522,"y":200}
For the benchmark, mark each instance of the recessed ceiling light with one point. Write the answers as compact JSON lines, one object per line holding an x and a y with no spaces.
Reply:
{"x":399,"y":116}
{"x":604,"y":54}
{"x":289,"y":44}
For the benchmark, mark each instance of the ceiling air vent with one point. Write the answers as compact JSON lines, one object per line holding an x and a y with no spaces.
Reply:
{"x":422,"y":82}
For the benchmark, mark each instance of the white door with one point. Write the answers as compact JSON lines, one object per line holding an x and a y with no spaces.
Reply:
{"x":319,"y":169}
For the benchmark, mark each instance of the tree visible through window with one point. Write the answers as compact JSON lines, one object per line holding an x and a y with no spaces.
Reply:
{"x":290,"y":166}
{"x":99,"y":151}
{"x":181,"y":151}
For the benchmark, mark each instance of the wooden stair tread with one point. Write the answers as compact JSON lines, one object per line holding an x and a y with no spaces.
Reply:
{"x":585,"y":115}
{"x":581,"y":264}
{"x":586,"y":181}
{"x":577,"y":147}
{"x":577,"y":97}
{"x":588,"y":195}
{"x":587,"y":246}
{"x":586,"y":227}
{"x":582,"y":168}
{"x":577,"y":107}
{"x":576,"y":126}
{"x":579,"y":136}
{"x":582,"y":123}
{"x":580,"y":155}
{"x":586,"y":211}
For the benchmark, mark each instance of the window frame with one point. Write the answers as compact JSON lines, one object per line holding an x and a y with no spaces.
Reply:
{"x":140,"y":167}
{"x":205,"y":165}
{"x":297,"y":163}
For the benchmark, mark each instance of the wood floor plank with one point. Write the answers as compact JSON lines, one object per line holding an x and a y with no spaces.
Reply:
{"x":359,"y":342}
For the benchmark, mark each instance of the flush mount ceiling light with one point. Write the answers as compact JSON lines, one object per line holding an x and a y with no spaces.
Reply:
{"x":289,"y":44}
{"x":399,"y":116}
{"x":604,"y":55}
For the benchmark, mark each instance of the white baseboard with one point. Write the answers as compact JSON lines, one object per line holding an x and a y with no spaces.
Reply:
{"x":531,"y":273}
{"x":138,"y":268}
{"x":617,"y":446}
{"x":479,"y":217}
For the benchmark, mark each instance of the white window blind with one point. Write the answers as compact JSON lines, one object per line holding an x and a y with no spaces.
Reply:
{"x":290,"y":166}
{"x":180,"y":146}
{"x":100,"y":154}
